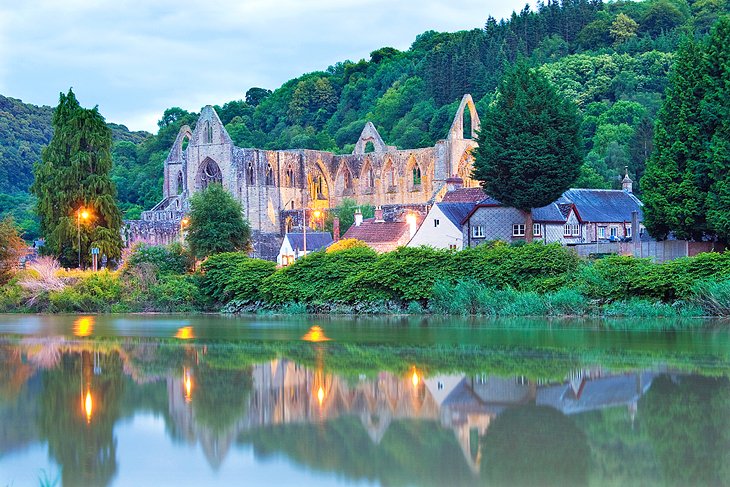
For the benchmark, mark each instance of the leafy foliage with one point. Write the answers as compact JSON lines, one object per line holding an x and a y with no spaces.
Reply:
{"x":12,"y":248}
{"x":172,"y":259}
{"x":216,"y":223}
{"x":233,"y":276}
{"x":74,"y":174}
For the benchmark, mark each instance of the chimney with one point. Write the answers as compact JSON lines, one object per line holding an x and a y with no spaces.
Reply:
{"x":627,"y":184}
{"x":336,"y":229}
{"x":358,"y":217}
{"x":379,"y":214}
{"x":453,"y":183}
{"x":412,"y":224}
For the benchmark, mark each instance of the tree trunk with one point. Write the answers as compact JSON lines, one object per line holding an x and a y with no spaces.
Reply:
{"x":528,"y":226}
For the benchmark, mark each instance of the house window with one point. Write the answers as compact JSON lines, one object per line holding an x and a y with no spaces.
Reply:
{"x":518,"y":230}
{"x":601,"y":232}
{"x":477,"y":231}
{"x":452,"y":246}
{"x":436,"y":223}
{"x":628,"y":231}
{"x":614,"y":231}
{"x":572,"y":230}
{"x":536,"y":229}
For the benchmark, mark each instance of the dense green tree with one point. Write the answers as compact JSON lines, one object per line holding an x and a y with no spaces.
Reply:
{"x":255,"y":95}
{"x":74,"y":174}
{"x":623,"y":28}
{"x":673,"y":197}
{"x":216,"y":223}
{"x":529,"y":146}
{"x":716,"y":115}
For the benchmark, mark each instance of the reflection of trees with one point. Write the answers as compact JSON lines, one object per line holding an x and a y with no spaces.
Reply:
{"x":688,"y":423}
{"x":85,"y":451}
{"x":220,"y":396}
{"x":411,"y":452}
{"x":535,"y":445}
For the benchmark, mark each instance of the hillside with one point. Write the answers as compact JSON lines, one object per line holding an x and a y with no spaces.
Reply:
{"x":611,"y":58}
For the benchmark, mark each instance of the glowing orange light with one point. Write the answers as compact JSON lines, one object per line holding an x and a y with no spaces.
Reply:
{"x":184,"y":221}
{"x":415,"y":379}
{"x":317,"y":213}
{"x":88,"y":406}
{"x":188,"y":384}
{"x":85,"y":215}
{"x":83,"y":326}
{"x":185,"y":333}
{"x":320,"y":395}
{"x":315,"y":334}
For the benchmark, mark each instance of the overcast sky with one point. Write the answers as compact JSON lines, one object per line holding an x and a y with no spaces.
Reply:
{"x":135,"y":58}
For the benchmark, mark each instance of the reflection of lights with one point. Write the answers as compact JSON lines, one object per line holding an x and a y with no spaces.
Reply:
{"x":84,"y":326}
{"x":88,"y":406}
{"x":185,"y":333}
{"x":414,"y":378}
{"x":320,"y":396}
{"x":188,"y":384}
{"x":315,"y":334}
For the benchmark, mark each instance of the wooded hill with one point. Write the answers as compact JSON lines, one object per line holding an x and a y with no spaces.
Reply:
{"x":611,"y":58}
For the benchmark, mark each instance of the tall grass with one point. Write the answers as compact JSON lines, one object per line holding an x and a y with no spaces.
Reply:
{"x":41,"y":278}
{"x":712,"y":296}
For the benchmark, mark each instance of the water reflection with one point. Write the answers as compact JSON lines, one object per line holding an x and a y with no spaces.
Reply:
{"x":83,"y":326}
{"x":399,"y":424}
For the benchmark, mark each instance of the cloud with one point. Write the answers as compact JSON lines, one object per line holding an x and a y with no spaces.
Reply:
{"x":136,"y":58}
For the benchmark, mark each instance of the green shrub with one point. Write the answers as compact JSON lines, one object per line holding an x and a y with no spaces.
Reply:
{"x":171,"y":259}
{"x":235,"y":276}
{"x":91,"y":292}
{"x":566,"y":302}
{"x":294,"y":308}
{"x":176,"y":293}
{"x":638,"y":308}
{"x":414,"y":308}
{"x":713,"y":297}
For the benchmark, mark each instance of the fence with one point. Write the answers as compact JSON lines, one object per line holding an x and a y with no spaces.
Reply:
{"x":659,"y":251}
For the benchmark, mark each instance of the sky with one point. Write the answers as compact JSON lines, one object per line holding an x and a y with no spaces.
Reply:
{"x":136,"y":58}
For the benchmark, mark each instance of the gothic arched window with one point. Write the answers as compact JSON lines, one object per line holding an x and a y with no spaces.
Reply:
{"x":416,"y":175}
{"x":179,"y":182}
{"x":210,"y":174}
{"x":289,"y":177}
{"x":207,"y":133}
{"x":250,"y":174}
{"x":269,"y":175}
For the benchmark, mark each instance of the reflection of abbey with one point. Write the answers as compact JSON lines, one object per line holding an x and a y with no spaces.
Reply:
{"x":271,"y":183}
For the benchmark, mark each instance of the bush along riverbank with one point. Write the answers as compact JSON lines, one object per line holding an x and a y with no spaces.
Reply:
{"x":490,"y":280}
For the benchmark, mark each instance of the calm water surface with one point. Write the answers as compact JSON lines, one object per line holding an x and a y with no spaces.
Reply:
{"x":178,"y":400}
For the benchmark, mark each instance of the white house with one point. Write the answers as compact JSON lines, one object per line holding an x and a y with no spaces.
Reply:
{"x":293,"y":246}
{"x":441,"y":229}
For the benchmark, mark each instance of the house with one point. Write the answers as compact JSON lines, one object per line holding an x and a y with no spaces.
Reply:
{"x":441,"y":228}
{"x":293,"y":245}
{"x":578,"y":216}
{"x":381,"y":235}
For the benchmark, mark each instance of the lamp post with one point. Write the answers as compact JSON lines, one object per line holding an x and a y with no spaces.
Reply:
{"x":183,"y":223}
{"x":304,"y":228}
{"x":80,"y":213}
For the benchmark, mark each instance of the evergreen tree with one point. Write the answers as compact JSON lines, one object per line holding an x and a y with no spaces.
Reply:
{"x":716,"y":111}
{"x":74,"y":174}
{"x":216,"y":223}
{"x":529,"y":145}
{"x":672,"y":184}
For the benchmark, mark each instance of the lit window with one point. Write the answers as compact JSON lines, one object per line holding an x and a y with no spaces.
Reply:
{"x":477,"y":231}
{"x":436,"y":223}
{"x":518,"y":230}
{"x":601,"y":232}
{"x":536,"y":229}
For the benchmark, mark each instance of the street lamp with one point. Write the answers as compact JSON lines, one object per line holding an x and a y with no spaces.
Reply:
{"x":80,"y":213}
{"x":183,"y":223}
{"x":317,"y":214}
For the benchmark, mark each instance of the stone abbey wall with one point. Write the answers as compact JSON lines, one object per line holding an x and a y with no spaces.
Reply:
{"x":271,"y":182}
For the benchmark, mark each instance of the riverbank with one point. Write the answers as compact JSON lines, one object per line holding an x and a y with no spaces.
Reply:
{"x":490,"y":280}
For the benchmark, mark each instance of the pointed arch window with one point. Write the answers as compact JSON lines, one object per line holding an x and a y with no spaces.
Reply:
{"x":179,"y":182}
{"x":210,"y":174}
{"x":250,"y":174}
{"x":289,"y":176}
{"x":208,"y":133}
{"x":416,"y":175}
{"x":269,"y":175}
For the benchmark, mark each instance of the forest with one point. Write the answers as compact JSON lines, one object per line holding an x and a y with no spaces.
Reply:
{"x":612,"y":59}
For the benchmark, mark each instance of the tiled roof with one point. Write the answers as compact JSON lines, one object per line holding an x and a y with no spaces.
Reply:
{"x":464,"y":195}
{"x":374,"y":232}
{"x":456,"y":212}
{"x":550,"y":213}
{"x":315,"y":240}
{"x":604,"y":205}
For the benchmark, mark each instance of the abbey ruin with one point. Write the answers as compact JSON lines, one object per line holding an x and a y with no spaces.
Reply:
{"x":274,"y":186}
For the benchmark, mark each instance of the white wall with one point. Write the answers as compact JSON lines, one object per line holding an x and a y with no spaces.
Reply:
{"x":440,"y":237}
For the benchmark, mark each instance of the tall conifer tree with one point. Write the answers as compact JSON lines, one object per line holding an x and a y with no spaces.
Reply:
{"x":529,"y":144}
{"x":74,"y":174}
{"x":675,"y":175}
{"x":716,"y":110}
